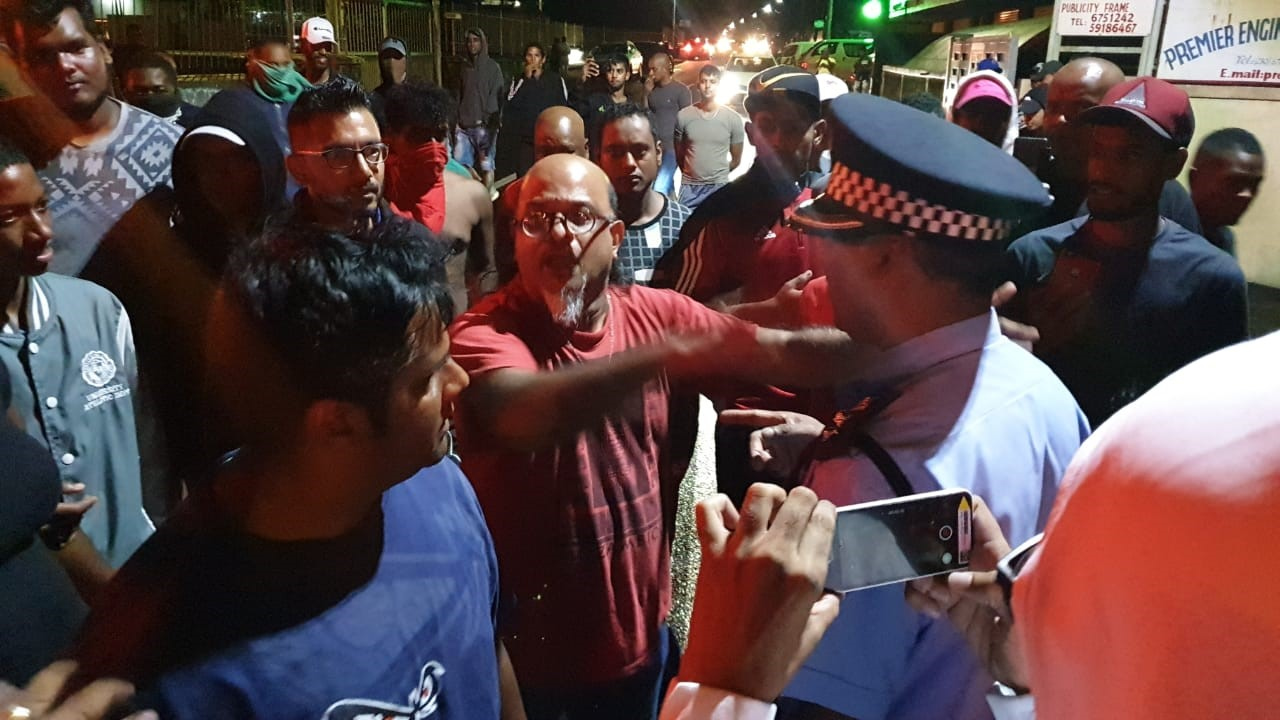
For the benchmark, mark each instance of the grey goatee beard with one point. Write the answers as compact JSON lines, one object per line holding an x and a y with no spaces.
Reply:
{"x":573,"y":302}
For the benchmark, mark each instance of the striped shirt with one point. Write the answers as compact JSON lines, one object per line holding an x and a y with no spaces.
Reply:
{"x":643,"y":245}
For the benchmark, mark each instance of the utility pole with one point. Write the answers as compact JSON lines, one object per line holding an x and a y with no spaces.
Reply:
{"x":827,"y":31}
{"x":674,"y":39}
{"x":437,"y":43}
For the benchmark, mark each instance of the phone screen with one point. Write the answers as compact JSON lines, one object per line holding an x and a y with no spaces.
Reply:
{"x":892,"y":541}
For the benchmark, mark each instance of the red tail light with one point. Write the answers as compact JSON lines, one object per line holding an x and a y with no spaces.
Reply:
{"x":804,"y":66}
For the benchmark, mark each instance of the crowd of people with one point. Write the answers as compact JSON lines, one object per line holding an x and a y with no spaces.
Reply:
{"x":309,"y":413}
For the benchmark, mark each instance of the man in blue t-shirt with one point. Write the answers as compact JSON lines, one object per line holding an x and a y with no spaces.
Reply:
{"x":1123,"y":296}
{"x":1078,"y":86}
{"x":309,"y":578}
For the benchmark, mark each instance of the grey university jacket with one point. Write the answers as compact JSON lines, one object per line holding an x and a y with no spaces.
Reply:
{"x":73,"y":373}
{"x":482,"y":85}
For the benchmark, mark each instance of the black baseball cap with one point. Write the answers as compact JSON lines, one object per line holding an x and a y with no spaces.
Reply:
{"x":785,"y":81}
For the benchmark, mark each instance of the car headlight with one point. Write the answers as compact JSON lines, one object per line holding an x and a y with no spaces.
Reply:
{"x":727,"y":91}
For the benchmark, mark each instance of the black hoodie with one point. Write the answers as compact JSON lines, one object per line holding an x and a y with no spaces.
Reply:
{"x":198,"y":224}
{"x":175,"y":277}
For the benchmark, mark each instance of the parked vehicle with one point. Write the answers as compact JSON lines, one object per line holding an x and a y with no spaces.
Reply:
{"x":737,"y":72}
{"x":790,"y":55}
{"x":699,"y":48}
{"x":626,"y":49}
{"x":850,"y":59}
{"x":647,"y":50}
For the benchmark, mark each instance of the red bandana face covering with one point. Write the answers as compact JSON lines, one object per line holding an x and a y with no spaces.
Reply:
{"x":415,"y":184}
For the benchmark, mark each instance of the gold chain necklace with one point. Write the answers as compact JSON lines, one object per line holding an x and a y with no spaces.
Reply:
{"x":608,"y":318}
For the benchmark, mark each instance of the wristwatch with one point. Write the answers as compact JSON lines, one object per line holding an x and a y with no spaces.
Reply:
{"x":56,"y":535}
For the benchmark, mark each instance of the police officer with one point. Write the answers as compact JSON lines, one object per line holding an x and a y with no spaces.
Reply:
{"x":911,"y":239}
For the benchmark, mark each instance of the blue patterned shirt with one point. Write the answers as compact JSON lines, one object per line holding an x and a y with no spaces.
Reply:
{"x":90,"y":188}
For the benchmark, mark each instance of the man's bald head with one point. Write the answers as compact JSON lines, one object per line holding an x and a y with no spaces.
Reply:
{"x":567,"y":178}
{"x":1078,"y":86}
{"x":1094,"y":75}
{"x":568,"y":236}
{"x":559,"y":130}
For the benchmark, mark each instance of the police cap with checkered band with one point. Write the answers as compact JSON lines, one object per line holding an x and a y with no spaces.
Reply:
{"x":896,"y":169}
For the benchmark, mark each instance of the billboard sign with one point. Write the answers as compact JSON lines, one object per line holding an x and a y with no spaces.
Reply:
{"x":1233,"y":42}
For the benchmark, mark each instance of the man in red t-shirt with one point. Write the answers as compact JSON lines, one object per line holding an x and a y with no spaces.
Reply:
{"x":565,"y":434}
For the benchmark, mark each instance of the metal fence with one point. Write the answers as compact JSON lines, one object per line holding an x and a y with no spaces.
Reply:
{"x":897,"y":83}
{"x":362,"y":25}
{"x":208,"y":38}
{"x":508,"y":33}
{"x":413,"y":24}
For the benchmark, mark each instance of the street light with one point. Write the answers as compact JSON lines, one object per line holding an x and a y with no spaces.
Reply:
{"x":767,"y":9}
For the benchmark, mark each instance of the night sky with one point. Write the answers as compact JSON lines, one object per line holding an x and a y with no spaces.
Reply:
{"x":706,"y":16}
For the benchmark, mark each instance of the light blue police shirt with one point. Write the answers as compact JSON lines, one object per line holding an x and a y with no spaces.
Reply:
{"x":975,"y":411}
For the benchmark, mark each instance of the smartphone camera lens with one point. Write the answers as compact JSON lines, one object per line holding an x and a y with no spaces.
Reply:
{"x":945,"y":533}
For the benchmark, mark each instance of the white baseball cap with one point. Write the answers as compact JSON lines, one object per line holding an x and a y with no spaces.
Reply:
{"x":317,"y":30}
{"x":830,"y":87}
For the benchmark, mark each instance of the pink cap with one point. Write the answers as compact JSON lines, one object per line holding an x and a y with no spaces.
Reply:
{"x":980,"y":88}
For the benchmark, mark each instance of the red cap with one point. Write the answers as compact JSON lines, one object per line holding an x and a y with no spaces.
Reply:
{"x":980,"y":88}
{"x":1160,"y":105}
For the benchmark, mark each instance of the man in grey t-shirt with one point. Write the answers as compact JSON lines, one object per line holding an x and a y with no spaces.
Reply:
{"x":667,"y":98}
{"x":708,"y":142}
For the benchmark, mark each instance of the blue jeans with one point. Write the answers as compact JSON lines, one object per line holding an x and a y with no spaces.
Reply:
{"x":635,"y":698}
{"x":666,"y":180}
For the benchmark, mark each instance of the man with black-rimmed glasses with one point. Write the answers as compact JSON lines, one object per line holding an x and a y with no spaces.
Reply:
{"x":338,"y":159}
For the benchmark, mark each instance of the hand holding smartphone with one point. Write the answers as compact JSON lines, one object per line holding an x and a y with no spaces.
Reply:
{"x":892,"y":541}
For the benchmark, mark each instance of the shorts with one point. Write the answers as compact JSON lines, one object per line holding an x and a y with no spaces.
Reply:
{"x":691,"y":196}
{"x":474,"y":147}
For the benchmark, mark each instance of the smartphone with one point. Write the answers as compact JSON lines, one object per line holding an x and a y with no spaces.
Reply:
{"x":1033,"y":152}
{"x":892,"y":541}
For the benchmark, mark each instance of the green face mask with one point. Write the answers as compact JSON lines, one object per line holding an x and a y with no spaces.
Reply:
{"x":278,"y":84}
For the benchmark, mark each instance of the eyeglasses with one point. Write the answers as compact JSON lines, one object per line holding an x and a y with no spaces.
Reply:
{"x":341,"y":158}
{"x":1010,"y":566}
{"x":538,"y":224}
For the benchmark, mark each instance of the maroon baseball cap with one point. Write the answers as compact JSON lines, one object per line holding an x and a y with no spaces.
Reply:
{"x":1160,"y":105}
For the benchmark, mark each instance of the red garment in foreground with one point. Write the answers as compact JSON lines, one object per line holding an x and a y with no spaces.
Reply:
{"x":582,"y":541}
{"x":415,"y":184}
